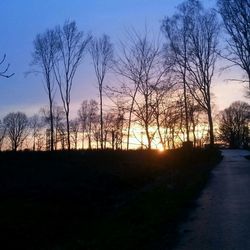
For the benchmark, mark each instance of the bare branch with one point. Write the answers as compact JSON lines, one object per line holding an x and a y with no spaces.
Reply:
{"x":3,"y":72}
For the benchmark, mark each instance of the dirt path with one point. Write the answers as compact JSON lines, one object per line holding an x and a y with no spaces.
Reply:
{"x":222,"y":219}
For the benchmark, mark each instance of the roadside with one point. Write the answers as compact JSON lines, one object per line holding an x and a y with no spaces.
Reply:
{"x":222,"y":217}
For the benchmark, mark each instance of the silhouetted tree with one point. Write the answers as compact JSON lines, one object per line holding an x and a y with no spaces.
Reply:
{"x":142,"y":65}
{"x":88,"y":116}
{"x":177,"y":30}
{"x":16,"y":125}
{"x":125,"y":66}
{"x":163,"y":114}
{"x":45,"y":50}
{"x":58,"y":123}
{"x":4,"y":70}
{"x":234,"y":124}
{"x":2,"y":134}
{"x":35,"y":124}
{"x":72,"y":45}
{"x":113,"y":128}
{"x":236,"y":19}
{"x":195,"y":112}
{"x":101,"y":51}
{"x":119,"y":124}
{"x":108,"y":129}
{"x":202,"y":59}
{"x":74,"y":129}
{"x":83,"y":119}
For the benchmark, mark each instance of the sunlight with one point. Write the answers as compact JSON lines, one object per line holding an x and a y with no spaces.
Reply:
{"x":161,"y":150}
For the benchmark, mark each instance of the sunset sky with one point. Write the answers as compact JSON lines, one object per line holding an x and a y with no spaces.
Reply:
{"x":21,"y":21}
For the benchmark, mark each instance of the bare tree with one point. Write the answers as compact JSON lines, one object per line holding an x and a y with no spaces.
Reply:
{"x":162,"y":115}
{"x":119,"y":124}
{"x":40,"y":142}
{"x":203,"y":53}
{"x":126,"y":93}
{"x":113,"y":128}
{"x":35,"y":124}
{"x":16,"y":125}
{"x":45,"y":50}
{"x":101,"y":51}
{"x":4,"y":71}
{"x":236,"y":18}
{"x":2,"y":134}
{"x":74,"y":128}
{"x":58,"y":120}
{"x":177,"y":30}
{"x":87,"y":116}
{"x":195,"y":112}
{"x":72,"y":45}
{"x":108,"y":129}
{"x":59,"y":123}
{"x":143,"y":65}
{"x":234,"y":124}
{"x":83,"y":120}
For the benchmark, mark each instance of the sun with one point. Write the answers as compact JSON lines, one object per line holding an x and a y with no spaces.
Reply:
{"x":160,"y":149}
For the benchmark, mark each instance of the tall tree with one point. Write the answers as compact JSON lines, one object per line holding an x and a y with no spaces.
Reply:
{"x":16,"y":125}
{"x":177,"y":30}
{"x":72,"y":45}
{"x":45,"y":51}
{"x":236,"y":19}
{"x":203,"y":53}
{"x":101,"y":51}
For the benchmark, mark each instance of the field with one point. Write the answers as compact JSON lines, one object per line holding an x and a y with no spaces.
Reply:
{"x":98,"y":199}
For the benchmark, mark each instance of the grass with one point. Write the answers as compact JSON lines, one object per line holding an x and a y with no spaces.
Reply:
{"x":98,"y":199}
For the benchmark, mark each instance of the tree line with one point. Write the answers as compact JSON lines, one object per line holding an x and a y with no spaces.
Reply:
{"x":163,"y":89}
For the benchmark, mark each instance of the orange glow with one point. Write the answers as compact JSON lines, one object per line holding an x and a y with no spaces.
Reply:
{"x":161,"y":150}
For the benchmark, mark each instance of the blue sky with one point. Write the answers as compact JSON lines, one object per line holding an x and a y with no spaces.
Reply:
{"x":22,"y":20}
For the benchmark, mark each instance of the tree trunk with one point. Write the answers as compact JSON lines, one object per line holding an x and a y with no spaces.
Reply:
{"x":211,"y":129}
{"x":68,"y":127}
{"x":148,"y":136}
{"x":101,"y":118}
{"x":34,"y":140}
{"x":83,"y":140}
{"x":186,"y":106}
{"x":76,"y":140}
{"x":194,"y":136}
{"x":51,"y":122}
{"x":113,"y":139}
{"x":89,"y":139}
{"x":129,"y":123}
{"x":130,"y":115}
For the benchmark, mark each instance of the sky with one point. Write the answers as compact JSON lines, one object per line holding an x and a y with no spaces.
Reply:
{"x":22,"y":20}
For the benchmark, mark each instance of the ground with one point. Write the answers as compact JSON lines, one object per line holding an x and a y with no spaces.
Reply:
{"x":98,"y":199}
{"x":222,"y":217}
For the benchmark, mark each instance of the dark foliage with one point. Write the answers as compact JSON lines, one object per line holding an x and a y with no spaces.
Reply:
{"x":234,"y":125}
